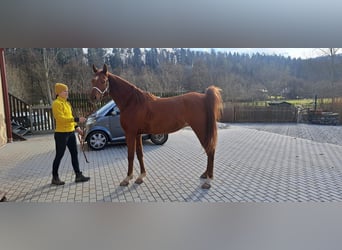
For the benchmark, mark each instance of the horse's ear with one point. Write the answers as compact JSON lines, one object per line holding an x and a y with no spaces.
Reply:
{"x":104,"y":69}
{"x":94,"y":68}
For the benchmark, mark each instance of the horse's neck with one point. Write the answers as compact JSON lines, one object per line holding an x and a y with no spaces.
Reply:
{"x":120,"y":91}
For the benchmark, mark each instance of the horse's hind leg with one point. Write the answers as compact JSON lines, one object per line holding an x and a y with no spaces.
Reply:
{"x":139,"y":149}
{"x":209,"y":172}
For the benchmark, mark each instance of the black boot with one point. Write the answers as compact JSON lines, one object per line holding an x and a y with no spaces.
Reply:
{"x":57,"y":181}
{"x":81,"y":178}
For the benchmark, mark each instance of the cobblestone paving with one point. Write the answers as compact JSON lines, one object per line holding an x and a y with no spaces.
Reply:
{"x":318,"y":133}
{"x":251,"y":165}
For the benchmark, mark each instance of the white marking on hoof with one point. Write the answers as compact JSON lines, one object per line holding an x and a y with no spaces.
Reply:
{"x":140,"y":180}
{"x":125,"y":181}
{"x":206,"y":184}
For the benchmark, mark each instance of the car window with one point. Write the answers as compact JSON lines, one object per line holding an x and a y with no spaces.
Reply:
{"x":106,"y":106}
{"x":116,"y":111}
{"x":110,"y":112}
{"x":103,"y":111}
{"x":113,"y":111}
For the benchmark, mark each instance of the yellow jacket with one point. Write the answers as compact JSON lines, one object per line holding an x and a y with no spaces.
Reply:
{"x":62,"y":112}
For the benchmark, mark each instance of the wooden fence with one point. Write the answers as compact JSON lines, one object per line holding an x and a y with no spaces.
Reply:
{"x":334,"y":106}
{"x":39,"y":119}
{"x":240,"y":113}
{"x":82,"y":106}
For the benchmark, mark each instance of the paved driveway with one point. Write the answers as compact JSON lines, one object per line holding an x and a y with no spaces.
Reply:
{"x":318,"y":133}
{"x":252,"y":164}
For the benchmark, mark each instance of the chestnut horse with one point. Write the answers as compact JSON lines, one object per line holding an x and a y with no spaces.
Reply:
{"x":144,"y":113}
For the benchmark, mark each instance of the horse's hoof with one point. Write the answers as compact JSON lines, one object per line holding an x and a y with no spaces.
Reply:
{"x":206,"y":185}
{"x":139,"y":181}
{"x":124,"y":183}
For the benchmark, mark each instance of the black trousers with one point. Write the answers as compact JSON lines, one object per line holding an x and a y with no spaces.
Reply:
{"x":63,"y":140}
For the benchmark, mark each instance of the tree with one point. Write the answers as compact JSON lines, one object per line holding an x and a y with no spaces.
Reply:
{"x":152,"y":60}
{"x":96,"y":56}
{"x":199,"y":79}
{"x":32,"y":72}
{"x":331,"y":52}
{"x":115,"y":61}
{"x":171,"y":77}
{"x":43,"y":61}
{"x":137,"y":59}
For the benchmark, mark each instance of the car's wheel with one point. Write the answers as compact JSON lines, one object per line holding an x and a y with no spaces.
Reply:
{"x":97,"y":140}
{"x":159,"y":139}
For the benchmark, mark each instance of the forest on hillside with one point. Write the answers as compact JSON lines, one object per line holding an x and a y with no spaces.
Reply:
{"x":32,"y":72}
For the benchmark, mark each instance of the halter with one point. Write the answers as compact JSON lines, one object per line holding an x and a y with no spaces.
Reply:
{"x":104,"y":91}
{"x":101,"y":92}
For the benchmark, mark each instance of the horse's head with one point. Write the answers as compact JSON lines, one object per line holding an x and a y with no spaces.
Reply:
{"x":99,"y":83}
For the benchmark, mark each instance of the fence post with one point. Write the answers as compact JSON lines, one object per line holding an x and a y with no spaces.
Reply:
{"x":31,"y":118}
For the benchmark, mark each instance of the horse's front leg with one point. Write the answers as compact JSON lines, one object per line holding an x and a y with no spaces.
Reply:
{"x":130,"y":141}
{"x":139,"y":149}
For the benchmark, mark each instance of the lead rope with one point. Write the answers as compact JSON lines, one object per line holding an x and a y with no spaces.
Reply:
{"x":81,"y":139}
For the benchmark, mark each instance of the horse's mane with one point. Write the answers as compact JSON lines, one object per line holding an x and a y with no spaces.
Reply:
{"x":137,"y":95}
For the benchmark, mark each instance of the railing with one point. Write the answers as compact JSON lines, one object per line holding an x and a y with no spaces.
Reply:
{"x":39,"y":118}
{"x":36,"y":119}
{"x":20,"y":111}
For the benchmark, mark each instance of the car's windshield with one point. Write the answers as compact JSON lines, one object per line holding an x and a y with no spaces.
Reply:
{"x":104,"y":109}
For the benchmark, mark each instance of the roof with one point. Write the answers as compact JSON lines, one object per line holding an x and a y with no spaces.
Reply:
{"x":279,"y":103}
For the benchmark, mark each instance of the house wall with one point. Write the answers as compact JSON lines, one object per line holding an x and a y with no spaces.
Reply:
{"x":3,"y":135}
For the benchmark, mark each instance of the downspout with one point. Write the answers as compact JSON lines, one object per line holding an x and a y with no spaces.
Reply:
{"x":5,"y":96}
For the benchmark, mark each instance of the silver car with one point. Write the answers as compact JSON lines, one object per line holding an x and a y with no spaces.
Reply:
{"x":103,"y":127}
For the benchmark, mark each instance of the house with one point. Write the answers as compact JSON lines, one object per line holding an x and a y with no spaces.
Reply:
{"x":5,"y":120}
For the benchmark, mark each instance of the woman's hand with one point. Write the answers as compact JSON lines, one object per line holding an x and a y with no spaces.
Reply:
{"x":82,"y":119}
{"x":79,"y":130}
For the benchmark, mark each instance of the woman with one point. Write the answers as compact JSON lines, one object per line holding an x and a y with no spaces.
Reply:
{"x":66,"y":125}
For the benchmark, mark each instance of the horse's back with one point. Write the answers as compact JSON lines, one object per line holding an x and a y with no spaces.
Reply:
{"x":184,"y":107}
{"x":179,"y":104}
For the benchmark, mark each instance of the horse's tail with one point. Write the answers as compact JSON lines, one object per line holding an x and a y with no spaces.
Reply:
{"x":214,"y":112}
